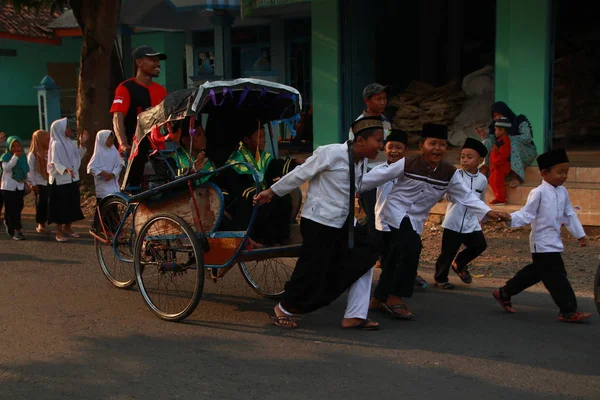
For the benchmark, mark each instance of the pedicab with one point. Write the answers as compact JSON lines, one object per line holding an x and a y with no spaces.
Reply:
{"x":167,"y":237}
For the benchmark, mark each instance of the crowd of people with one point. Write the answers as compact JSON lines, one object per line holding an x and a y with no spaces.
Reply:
{"x":339,"y":252}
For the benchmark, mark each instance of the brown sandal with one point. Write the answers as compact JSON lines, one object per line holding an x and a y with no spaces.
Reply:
{"x":284,"y":322}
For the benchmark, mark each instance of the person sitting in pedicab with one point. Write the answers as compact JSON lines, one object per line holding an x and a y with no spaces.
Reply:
{"x":272,"y":223}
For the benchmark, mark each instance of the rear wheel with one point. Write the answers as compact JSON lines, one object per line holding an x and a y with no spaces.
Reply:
{"x":115,"y":258}
{"x":268,"y":277}
{"x":597,"y":289}
{"x":169,"y":267}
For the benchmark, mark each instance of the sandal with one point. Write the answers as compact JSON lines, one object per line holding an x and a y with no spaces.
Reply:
{"x":445,"y":285}
{"x":62,"y":239}
{"x":576,"y":316}
{"x":464,"y":275}
{"x":363,"y":326}
{"x":73,"y":234}
{"x":390,"y":310}
{"x":41,"y":230}
{"x":284,"y":322}
{"x":514,"y":183}
{"x":420,"y":282}
{"x":504,"y":302}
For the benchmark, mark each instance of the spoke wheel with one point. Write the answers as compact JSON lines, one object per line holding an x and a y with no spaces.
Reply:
{"x":169,"y":267}
{"x":116,"y":261}
{"x":268,"y":277}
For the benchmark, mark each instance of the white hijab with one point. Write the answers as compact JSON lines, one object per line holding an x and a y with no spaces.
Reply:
{"x":62,"y":149}
{"x":105,"y":158}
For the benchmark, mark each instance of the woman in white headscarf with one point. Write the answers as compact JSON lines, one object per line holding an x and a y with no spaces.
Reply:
{"x":64,"y":160}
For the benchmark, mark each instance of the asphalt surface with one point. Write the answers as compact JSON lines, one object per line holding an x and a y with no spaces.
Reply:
{"x":67,"y":333}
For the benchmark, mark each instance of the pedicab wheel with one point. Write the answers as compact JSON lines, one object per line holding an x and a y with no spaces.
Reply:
{"x":116,"y":262}
{"x":268,"y":277}
{"x":597,"y":289}
{"x":169,"y":267}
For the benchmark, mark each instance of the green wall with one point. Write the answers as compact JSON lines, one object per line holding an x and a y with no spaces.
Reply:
{"x":326,"y":77}
{"x":19,"y":75}
{"x":523,"y":60}
{"x":173,"y":45}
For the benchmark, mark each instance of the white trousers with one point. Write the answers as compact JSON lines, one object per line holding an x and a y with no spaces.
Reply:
{"x":359,"y":296}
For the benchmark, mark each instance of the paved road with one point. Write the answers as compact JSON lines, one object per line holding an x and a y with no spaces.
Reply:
{"x":68,"y":334}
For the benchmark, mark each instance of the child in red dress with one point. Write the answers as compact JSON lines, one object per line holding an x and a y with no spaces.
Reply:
{"x":500,"y":161}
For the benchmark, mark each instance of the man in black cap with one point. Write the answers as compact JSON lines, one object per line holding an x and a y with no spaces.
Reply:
{"x":137,"y":94}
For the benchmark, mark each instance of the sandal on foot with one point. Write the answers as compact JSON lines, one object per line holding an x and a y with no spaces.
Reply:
{"x":420,"y":282}
{"x":576,"y":316}
{"x":41,"y":230}
{"x":284,"y":322}
{"x":445,"y":285}
{"x":73,"y":235}
{"x":390,"y":310}
{"x":363,"y":326}
{"x":62,"y":239}
{"x":504,"y":302}
{"x":464,"y":275}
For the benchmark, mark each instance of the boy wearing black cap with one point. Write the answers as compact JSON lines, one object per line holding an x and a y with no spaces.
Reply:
{"x":548,"y":207}
{"x":500,"y":161}
{"x":421,"y":181}
{"x":460,"y":225}
{"x":332,"y":256}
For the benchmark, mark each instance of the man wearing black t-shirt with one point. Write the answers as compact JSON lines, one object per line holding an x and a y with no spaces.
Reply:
{"x":131,"y":98}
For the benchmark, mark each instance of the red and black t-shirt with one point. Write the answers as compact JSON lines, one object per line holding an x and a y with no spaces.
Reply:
{"x":131,"y":98}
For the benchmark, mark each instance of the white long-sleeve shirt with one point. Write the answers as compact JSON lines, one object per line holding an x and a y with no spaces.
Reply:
{"x":418,"y":187}
{"x":382,"y":193}
{"x":58,"y":172}
{"x":547,"y":208}
{"x":328,"y":197}
{"x":458,"y":218}
{"x":34,"y":177}
{"x":8,"y":183}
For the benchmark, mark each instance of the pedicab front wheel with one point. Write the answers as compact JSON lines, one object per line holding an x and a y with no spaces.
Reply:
{"x":597,"y":289}
{"x":268,"y":277}
{"x":169,"y":267}
{"x":116,"y":256}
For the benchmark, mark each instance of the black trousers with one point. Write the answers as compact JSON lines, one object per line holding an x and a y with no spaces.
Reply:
{"x":1,"y":201}
{"x":549,"y":269}
{"x":401,"y":263}
{"x":326,"y":267}
{"x":41,"y":205}
{"x":13,"y":206}
{"x":475,"y":244}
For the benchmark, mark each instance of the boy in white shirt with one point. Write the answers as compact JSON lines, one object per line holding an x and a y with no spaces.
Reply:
{"x":460,"y":225}
{"x":421,"y":181}
{"x":332,"y":256}
{"x":548,"y":207}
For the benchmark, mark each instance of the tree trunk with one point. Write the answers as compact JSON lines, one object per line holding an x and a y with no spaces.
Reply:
{"x":98,"y":20}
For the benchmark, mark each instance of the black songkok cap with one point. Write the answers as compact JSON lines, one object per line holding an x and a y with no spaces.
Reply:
{"x":365,"y":124}
{"x":434,"y":131}
{"x":552,"y":158}
{"x":397,"y":135}
{"x":476,"y":145}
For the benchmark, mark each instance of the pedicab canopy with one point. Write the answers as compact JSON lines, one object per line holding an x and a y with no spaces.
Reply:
{"x":225,"y":102}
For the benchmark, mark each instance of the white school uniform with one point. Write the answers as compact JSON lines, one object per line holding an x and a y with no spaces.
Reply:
{"x":327,"y":199}
{"x":34,"y":177}
{"x":458,"y":218}
{"x":547,"y":208}
{"x":105,"y":159}
{"x":327,"y":203}
{"x":8,"y":183}
{"x":418,"y":188}
{"x":62,"y":154}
